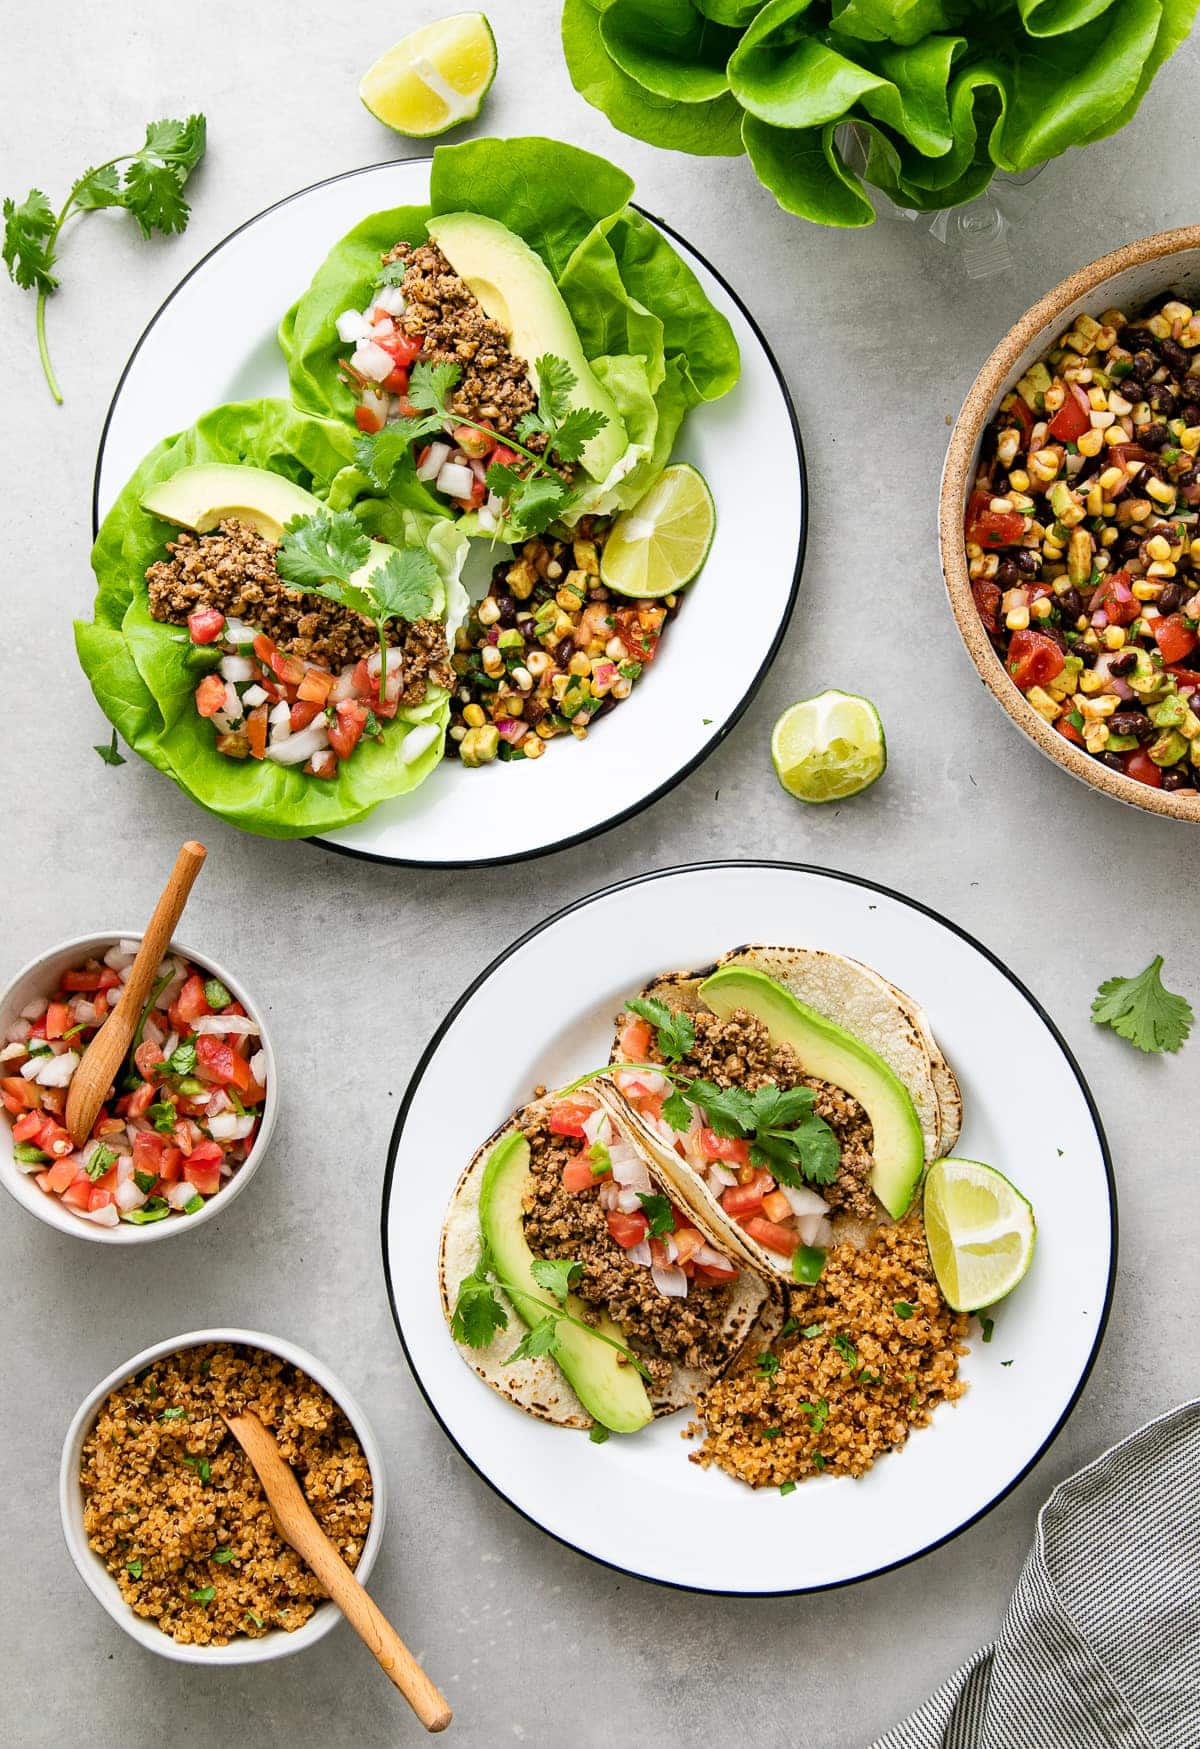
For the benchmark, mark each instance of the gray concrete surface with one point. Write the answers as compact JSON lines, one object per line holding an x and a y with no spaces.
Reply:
{"x":879,"y":333}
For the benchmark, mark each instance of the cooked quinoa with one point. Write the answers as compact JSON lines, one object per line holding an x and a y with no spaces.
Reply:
{"x":174,"y":1509}
{"x":853,"y":1389}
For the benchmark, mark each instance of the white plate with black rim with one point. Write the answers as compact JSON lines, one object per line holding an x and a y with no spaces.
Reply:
{"x":213,"y":341}
{"x":1028,"y":1112}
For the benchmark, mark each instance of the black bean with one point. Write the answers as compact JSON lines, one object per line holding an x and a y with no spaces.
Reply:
{"x":508,"y":610}
{"x":1007,"y":573}
{"x":1172,"y":598}
{"x":1129,"y":722}
{"x":1130,"y":338}
{"x":1113,"y":761}
{"x":1162,"y":399}
{"x":1086,"y":655}
{"x":1070,"y":603}
{"x":1144,"y":362}
{"x":1177,"y":777}
{"x":1190,"y":413}
{"x":564,"y":651}
{"x":1029,"y":562}
{"x":1174,"y":355}
{"x":1185,"y":476}
{"x":1132,"y":387}
{"x":1125,"y":663}
{"x":1153,"y":436}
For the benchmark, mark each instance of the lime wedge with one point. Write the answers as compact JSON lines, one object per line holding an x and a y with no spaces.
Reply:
{"x":663,"y":541}
{"x":980,"y":1231}
{"x":434,"y":78}
{"x":828,"y":747}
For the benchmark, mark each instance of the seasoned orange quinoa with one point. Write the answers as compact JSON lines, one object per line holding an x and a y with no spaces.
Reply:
{"x":176,"y":1512}
{"x":852,"y":1376}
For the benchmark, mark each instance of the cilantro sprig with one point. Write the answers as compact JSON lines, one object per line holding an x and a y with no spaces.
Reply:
{"x":147,"y":183}
{"x":785,"y":1134}
{"x":1143,"y":1011}
{"x":533,"y":498}
{"x":674,"y":1028}
{"x":478,"y":1315}
{"x":324,"y":553}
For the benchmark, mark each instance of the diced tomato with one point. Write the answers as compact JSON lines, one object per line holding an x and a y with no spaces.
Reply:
{"x":186,"y":1135}
{"x":1114,"y":594}
{"x":323,"y":764}
{"x":627,"y":1230}
{"x":256,"y":732}
{"x":658,"y":1254}
{"x":346,"y":731}
{"x":396,"y":381}
{"x":205,"y":1176}
{"x":210,"y":695}
{"x":638,"y":629}
{"x":635,"y":1040}
{"x":78,"y":1195}
{"x":316,"y":686}
{"x":218,"y":1061}
{"x":1021,"y":415}
{"x":27,"y":1127}
{"x":368,"y":419}
{"x":1142,"y":768}
{"x":402,"y":348}
{"x":716,"y":1272}
{"x":1185,"y":677}
{"x":170,"y":1166}
{"x":304,"y":713}
{"x":146,"y":1059}
{"x":206,"y":625}
{"x":58,"y":1019}
{"x":189,"y":1005}
{"x":98,"y":1197}
{"x":774,"y":1237}
{"x":687,"y":1242}
{"x":567,"y":1116}
{"x":474,"y":498}
{"x":992,"y":528}
{"x":53,"y":1139}
{"x":107,"y":1126}
{"x":148,"y":1150}
{"x":25,"y":1095}
{"x":141,"y":1100}
{"x":776,"y":1207}
{"x":62,"y":1173}
{"x":207,"y":1153}
{"x":1068,"y":731}
{"x":502,"y":456}
{"x":54,"y":1099}
{"x":987,"y":599}
{"x":739,"y":1199}
{"x":10,"y":1104}
{"x":80,"y":981}
{"x":367,"y":684}
{"x":1074,"y":417}
{"x":577,"y":1175}
{"x":1033,"y":659}
{"x":1174,"y":637}
{"x":730,"y":1148}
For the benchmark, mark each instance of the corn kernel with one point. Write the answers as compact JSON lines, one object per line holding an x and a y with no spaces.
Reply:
{"x":1043,"y":704}
{"x":1090,"y":681}
{"x":532,"y":748}
{"x":1007,"y":445}
{"x":458,"y":733}
{"x":523,"y":679}
{"x":1157,"y":570}
{"x":1158,"y":548}
{"x":1042,"y":608}
{"x":1161,"y":492}
{"x":622,"y":686}
{"x":1109,"y":537}
{"x":1019,"y":480}
{"x":1144,"y":591}
{"x":538,"y":663}
{"x":493,"y":661}
{"x":1114,"y":637}
{"x":1176,"y":311}
{"x":1054,"y":397}
{"x":1190,"y":440}
{"x":1117,"y":403}
{"x":1104,"y":706}
{"x":1090,"y":443}
{"x":473,"y":717}
{"x":1160,"y":327}
{"x":1017,"y":620}
{"x":1110,"y":479}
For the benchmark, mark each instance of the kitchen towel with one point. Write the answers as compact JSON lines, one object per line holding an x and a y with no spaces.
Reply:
{"x":1100,"y":1647}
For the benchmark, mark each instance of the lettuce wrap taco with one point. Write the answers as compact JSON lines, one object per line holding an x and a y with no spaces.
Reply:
{"x":785,"y":1091}
{"x":284,"y":658}
{"x":525,"y":346}
{"x":576,"y":1285}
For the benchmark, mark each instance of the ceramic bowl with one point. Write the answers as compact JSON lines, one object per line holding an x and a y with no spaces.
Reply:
{"x":100,"y":1582}
{"x":37,"y":979}
{"x":1127,"y":280}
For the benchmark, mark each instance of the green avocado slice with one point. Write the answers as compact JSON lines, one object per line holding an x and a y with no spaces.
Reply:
{"x":835,"y":1055}
{"x":201,"y":497}
{"x":612,"y":1392}
{"x":516,"y":289}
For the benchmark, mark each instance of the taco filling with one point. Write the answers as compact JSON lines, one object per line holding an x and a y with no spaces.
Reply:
{"x":298,"y":681}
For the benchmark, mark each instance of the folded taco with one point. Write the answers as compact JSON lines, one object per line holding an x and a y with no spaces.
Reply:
{"x":784,"y":1090}
{"x":576,"y":1284}
{"x":529,"y":340}
{"x":253,"y":636}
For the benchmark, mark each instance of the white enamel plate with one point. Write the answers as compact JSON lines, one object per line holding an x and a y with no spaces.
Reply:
{"x":214,"y":341}
{"x":1028,"y":1112}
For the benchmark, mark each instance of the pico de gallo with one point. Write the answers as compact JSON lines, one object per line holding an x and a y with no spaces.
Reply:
{"x":1083,"y":540}
{"x":183,"y":1113}
{"x":547,"y":650}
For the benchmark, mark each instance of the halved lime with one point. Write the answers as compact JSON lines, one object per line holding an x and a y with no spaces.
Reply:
{"x":980,"y":1231}
{"x":434,"y":78}
{"x":662,"y":542}
{"x":828,"y":747}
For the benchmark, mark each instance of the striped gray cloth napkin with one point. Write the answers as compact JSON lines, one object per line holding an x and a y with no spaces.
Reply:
{"x":1100,"y":1648}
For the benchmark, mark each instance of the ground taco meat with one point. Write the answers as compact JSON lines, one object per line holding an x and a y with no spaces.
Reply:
{"x":174,"y":1509}
{"x":445,"y":314}
{"x":739,"y":1052}
{"x":233,"y":569}
{"x":853,"y":1388}
{"x":561,"y":1223}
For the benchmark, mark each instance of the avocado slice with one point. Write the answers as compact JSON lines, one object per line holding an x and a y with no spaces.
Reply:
{"x":201,"y":497}
{"x":612,"y":1393}
{"x":835,"y":1055}
{"x":516,"y":289}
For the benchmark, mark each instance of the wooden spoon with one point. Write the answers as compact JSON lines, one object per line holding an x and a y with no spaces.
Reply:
{"x":110,"y":1046}
{"x":296,"y":1525}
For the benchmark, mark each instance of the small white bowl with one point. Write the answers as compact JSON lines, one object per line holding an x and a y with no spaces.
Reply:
{"x":100,"y":1582}
{"x":37,"y":979}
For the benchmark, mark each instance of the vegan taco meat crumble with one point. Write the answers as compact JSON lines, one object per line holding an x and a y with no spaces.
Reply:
{"x":871,"y":1351}
{"x":174,"y":1509}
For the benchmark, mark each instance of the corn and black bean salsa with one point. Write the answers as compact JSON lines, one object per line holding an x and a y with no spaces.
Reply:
{"x":548,"y":649}
{"x":1083,"y":540}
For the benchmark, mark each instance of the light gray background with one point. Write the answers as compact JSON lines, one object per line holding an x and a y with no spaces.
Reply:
{"x":879,"y":333}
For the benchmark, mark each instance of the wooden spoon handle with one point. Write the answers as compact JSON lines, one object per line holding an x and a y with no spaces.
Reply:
{"x":161,"y":926}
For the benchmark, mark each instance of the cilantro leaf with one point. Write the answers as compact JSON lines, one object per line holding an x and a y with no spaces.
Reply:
{"x":675,"y":1030}
{"x":775,"y":1108}
{"x":768,"y":1364}
{"x":99,"y":188}
{"x":531,"y":425}
{"x":657,"y":1210}
{"x":478,"y":1314}
{"x":809,"y":1153}
{"x":430,"y":383}
{"x":326,"y":546}
{"x":846,"y":1349}
{"x":576,"y":431}
{"x":181,"y":143}
{"x":729,"y":1110}
{"x":109,"y":753}
{"x":503,"y":480}
{"x":379,"y":454}
{"x":555,"y":380}
{"x":153,"y":193}
{"x":540,"y":1338}
{"x":30,"y":234}
{"x":537,"y":501}
{"x":558,"y":1274}
{"x":404,"y":585}
{"x":818,"y":1414}
{"x":1141,"y":1010}
{"x":676,"y":1111}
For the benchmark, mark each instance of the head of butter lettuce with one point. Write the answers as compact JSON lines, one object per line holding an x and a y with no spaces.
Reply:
{"x":646,"y":327}
{"x":145,"y":673}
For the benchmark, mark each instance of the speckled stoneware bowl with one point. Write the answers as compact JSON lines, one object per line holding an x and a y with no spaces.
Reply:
{"x":1127,"y":279}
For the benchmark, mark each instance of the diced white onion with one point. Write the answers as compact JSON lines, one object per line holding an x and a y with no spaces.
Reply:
{"x":824,"y":1233}
{"x":711,"y":1257}
{"x":804,"y":1201}
{"x":223,"y":1127}
{"x":629,"y":1171}
{"x":57,"y":1071}
{"x":15,"y":1049}
{"x":180,"y":1193}
{"x":105,"y":1217}
{"x":124,"y":1166}
{"x":391,"y":299}
{"x":808,"y":1226}
{"x":671,"y":1247}
{"x":596,"y":1126}
{"x":28,"y":1071}
{"x":382,"y":330}
{"x":35,"y":1010}
{"x":351,"y":326}
{"x":115,"y":958}
{"x":238,"y":632}
{"x":236,"y":668}
{"x":233,"y":704}
{"x":133,"y":947}
{"x":153,"y":1033}
{"x":485,"y":519}
{"x":372,"y":361}
{"x":18,"y":1032}
{"x":254,"y":696}
{"x":640,"y":1253}
{"x":221,"y":722}
{"x":244,"y":1126}
{"x":241,"y":1024}
{"x":455,"y":480}
{"x":83,"y":1013}
{"x":301,"y":746}
{"x":128,"y":1196}
{"x":418,"y":741}
{"x":720,"y":1177}
{"x":435,"y":461}
{"x":608,"y":1194}
{"x":343,"y":686}
{"x":628,"y":1201}
{"x":494,"y":503}
{"x":258,"y":1066}
{"x":671,"y":1283}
